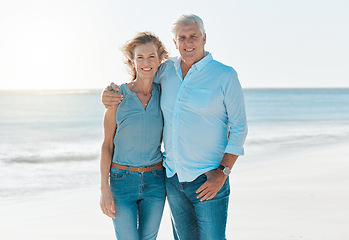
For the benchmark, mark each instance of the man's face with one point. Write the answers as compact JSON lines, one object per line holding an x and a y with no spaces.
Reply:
{"x":190,"y":43}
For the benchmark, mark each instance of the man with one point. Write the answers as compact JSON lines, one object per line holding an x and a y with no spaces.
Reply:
{"x":202,"y":102}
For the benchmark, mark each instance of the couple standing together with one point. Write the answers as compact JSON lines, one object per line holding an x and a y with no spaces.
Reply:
{"x":195,"y":105}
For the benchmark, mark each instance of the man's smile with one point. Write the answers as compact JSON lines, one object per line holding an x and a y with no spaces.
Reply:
{"x":189,"y":49}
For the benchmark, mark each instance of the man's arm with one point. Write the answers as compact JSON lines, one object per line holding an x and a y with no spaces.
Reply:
{"x":235,"y":107}
{"x":234,"y":103}
{"x":110,"y":98}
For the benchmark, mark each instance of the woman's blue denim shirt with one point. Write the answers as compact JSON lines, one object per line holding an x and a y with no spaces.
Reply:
{"x":138,"y":134}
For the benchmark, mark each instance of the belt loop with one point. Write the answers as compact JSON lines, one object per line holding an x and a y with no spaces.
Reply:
{"x":127,"y":169}
{"x":153,"y":168}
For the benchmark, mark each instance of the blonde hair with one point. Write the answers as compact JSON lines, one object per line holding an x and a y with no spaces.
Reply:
{"x":186,"y":20}
{"x":128,"y":49}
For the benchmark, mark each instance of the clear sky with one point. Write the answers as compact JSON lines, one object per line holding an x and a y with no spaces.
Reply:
{"x":64,"y":44}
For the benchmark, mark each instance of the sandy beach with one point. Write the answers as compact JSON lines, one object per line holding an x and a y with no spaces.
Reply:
{"x":299,"y":196}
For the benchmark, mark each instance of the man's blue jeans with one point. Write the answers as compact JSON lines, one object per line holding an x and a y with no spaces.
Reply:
{"x":192,"y":219}
{"x":139,"y":202}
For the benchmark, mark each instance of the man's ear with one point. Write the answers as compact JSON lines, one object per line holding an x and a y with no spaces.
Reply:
{"x":175,"y":42}
{"x":204,"y":38}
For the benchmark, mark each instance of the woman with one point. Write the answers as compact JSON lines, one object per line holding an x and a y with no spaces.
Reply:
{"x":131,"y":159}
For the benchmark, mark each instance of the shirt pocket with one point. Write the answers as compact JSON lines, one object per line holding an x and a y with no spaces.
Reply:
{"x":199,"y":98}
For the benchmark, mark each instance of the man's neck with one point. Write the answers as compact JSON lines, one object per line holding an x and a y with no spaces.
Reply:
{"x":185,"y":68}
{"x":185,"y":65}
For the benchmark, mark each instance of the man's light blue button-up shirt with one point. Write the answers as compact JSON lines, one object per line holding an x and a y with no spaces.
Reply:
{"x":199,"y":111}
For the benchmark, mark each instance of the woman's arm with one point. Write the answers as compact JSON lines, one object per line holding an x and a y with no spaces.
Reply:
{"x":106,"y":201}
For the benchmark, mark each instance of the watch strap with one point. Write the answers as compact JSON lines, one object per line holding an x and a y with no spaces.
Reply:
{"x":221,"y":167}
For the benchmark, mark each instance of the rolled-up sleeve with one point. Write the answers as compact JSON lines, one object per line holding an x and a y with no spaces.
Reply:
{"x":235,"y":107}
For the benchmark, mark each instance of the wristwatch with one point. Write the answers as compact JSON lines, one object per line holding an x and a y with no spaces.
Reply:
{"x":226,"y":170}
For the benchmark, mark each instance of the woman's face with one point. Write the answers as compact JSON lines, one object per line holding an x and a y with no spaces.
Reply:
{"x":146,"y":60}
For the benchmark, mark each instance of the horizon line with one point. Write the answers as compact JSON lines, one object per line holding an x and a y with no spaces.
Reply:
{"x":96,"y":89}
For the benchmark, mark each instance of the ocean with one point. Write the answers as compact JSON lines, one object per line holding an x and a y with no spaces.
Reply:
{"x":51,"y":139}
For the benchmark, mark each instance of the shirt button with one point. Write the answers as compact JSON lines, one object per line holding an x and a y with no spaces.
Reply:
{"x":174,"y":146}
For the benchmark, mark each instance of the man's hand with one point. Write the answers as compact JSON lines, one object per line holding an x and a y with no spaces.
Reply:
{"x":214,"y":183}
{"x":107,"y":203}
{"x":110,"y":98}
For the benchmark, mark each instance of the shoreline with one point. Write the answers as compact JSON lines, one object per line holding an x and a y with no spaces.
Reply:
{"x":299,"y":196}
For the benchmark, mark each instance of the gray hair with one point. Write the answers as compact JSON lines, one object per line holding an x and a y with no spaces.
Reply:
{"x":185,"y":20}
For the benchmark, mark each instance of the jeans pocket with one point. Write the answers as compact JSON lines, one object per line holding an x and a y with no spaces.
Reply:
{"x":201,"y":178}
{"x":117,"y":174}
{"x":159,"y":173}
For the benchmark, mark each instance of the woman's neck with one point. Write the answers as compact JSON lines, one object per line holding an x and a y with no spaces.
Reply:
{"x":143,"y":86}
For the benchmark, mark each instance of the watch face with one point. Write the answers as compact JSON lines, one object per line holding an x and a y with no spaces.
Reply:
{"x":226,"y":171}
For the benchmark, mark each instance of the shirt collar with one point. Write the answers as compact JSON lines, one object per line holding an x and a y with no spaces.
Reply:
{"x":203,"y":62}
{"x":199,"y":65}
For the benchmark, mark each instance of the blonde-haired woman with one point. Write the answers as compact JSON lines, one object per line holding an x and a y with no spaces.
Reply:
{"x":132,"y":176}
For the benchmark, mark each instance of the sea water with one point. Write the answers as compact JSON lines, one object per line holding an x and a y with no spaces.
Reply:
{"x":296,"y":119}
{"x":51,"y":139}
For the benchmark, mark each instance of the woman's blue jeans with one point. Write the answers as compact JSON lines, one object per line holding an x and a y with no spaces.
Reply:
{"x":192,"y":219}
{"x":139,"y":202}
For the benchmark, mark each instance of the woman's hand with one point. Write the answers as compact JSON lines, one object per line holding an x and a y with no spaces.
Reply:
{"x":107,"y":202}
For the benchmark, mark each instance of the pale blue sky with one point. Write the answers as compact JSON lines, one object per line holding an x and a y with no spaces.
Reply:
{"x":75,"y":44}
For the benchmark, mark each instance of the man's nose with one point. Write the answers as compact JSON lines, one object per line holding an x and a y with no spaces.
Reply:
{"x":188,"y":40}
